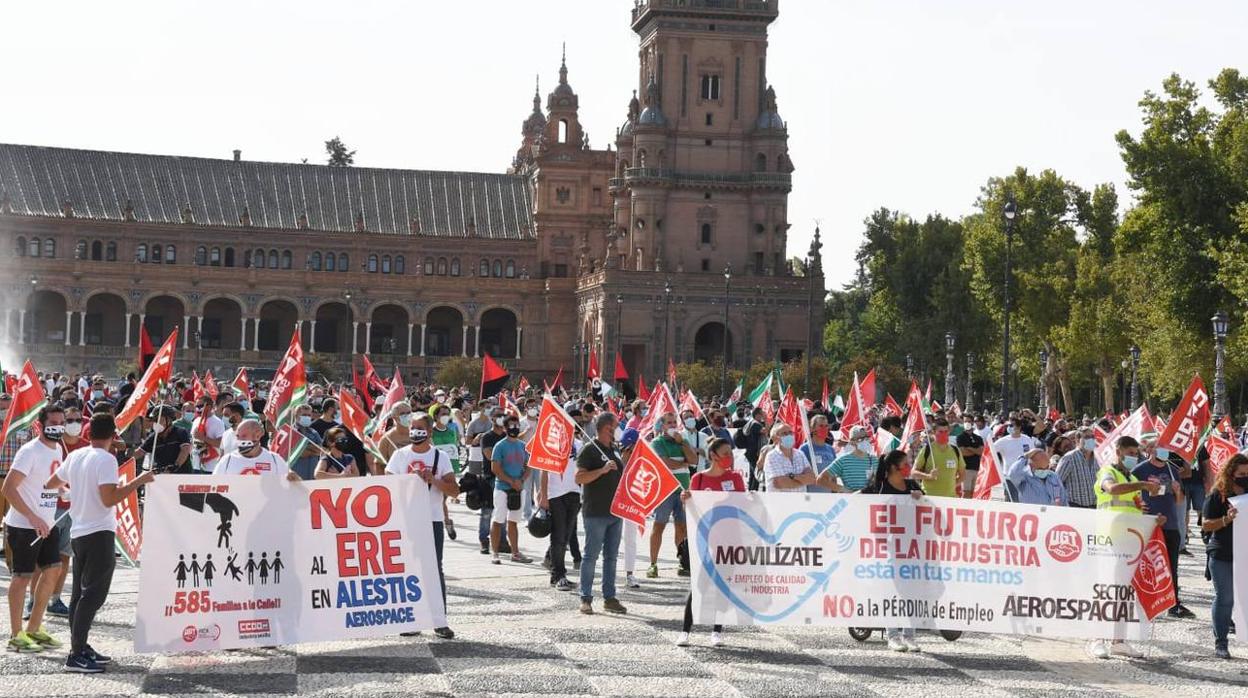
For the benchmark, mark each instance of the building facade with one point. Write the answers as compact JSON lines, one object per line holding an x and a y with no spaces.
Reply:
{"x":572,"y":251}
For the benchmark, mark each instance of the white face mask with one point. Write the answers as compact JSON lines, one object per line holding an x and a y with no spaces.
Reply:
{"x":73,"y":429}
{"x":1089,"y":444}
{"x":532,"y":412}
{"x":500,"y":421}
{"x":690,"y":423}
{"x":864,"y":446}
{"x":305,"y":420}
{"x":444,"y":419}
{"x":157,"y":428}
{"x":673,"y":433}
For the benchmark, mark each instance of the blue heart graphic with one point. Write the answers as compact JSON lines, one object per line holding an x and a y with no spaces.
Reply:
{"x":822,"y":524}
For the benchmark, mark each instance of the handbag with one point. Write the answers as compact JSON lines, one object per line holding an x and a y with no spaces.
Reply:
{"x":513,"y":500}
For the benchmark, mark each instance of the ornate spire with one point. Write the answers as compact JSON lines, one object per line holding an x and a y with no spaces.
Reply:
{"x":563,"y":65}
{"x":537,"y":94}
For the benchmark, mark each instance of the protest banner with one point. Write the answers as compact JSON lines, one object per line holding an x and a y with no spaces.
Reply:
{"x":934,"y":563}
{"x":129,"y":527}
{"x":1239,"y":577}
{"x":254,"y":561}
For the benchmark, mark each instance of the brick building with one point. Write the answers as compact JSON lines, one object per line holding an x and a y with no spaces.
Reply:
{"x":573,"y":250}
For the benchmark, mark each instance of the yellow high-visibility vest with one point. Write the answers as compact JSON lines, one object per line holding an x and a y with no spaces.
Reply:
{"x":1119,"y":503}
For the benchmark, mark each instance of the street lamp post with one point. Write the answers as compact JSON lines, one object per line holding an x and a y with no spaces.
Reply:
{"x":909,"y":367}
{"x":576,"y":363}
{"x":1135,"y":372}
{"x":723,"y":370}
{"x":810,"y":323}
{"x":970,"y":390}
{"x":667,"y":315}
{"x":1044,"y":366}
{"x":619,"y":320}
{"x":950,"y":342}
{"x":1220,"y":326}
{"x":1009,"y":212}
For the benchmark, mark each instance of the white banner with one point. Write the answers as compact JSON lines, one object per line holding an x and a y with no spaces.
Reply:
{"x":244,"y":561}
{"x":1239,"y":565}
{"x":935,"y":563}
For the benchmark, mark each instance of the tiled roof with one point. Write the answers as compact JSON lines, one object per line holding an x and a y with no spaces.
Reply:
{"x":36,"y":181}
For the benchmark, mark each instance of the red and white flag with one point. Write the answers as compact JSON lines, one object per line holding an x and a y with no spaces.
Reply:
{"x":551,"y":445}
{"x":129,"y":519}
{"x":159,"y":371}
{"x":1153,"y":584}
{"x":28,"y":399}
{"x":241,"y":384}
{"x":1182,"y":434}
{"x":645,"y":484}
{"x":989,"y":475}
{"x":210,"y":385}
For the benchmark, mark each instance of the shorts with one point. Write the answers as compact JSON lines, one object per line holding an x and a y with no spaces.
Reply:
{"x":502,"y":514}
{"x":29,"y":554}
{"x":968,"y":481}
{"x":1194,"y":490}
{"x":672,"y":508}
{"x":62,"y":530}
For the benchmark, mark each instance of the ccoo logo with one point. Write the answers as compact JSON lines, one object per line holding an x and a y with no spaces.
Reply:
{"x":1063,"y":543}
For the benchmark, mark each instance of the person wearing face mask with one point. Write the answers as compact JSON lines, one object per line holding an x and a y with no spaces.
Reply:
{"x":1034,"y":481}
{"x":234,"y":413}
{"x":940,"y":466}
{"x":890,"y":479}
{"x":821,"y":454}
{"x":251,"y":458}
{"x":478,"y":426}
{"x":207,"y":432}
{"x":1218,"y":527}
{"x":169,"y":446}
{"x":751,"y":436}
{"x":696,"y":438}
{"x":559,"y":494}
{"x":305,"y":464}
{"x":718,"y":477}
{"x":423,"y":460}
{"x":186,"y":419}
{"x":446,"y":439}
{"x":1013,"y":444}
{"x":786,"y":469}
{"x":509,"y":462}
{"x":1118,"y":491}
{"x":335,"y":461}
{"x":528,"y":427}
{"x":396,"y":437}
{"x":1077,"y":470}
{"x":717,"y":428}
{"x":29,"y":532}
{"x":71,"y":441}
{"x":488,"y":440}
{"x":670,"y":445}
{"x":1166,"y":505}
{"x":851,"y":470}
{"x":971,"y":445}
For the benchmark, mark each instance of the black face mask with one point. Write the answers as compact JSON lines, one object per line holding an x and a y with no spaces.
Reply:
{"x":1242,"y":482}
{"x":343,"y":443}
{"x":513,"y":432}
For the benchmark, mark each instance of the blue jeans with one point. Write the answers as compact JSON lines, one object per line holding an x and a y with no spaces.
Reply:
{"x":602,"y":535}
{"x":1222,"y":572}
{"x":526,"y":498}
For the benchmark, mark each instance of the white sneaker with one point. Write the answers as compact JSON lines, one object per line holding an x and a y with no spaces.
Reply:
{"x":1122,"y":649}
{"x":631,"y":582}
{"x":911,"y":644}
{"x":717,"y":638}
{"x":897,"y":646}
{"x":682,"y":640}
{"x":1098,"y":650}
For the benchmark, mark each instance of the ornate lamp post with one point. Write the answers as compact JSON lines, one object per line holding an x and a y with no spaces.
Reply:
{"x":1220,"y":325}
{"x":576,"y":363}
{"x":970,"y":391}
{"x":723,"y":370}
{"x":1135,"y":372}
{"x":667,"y":316}
{"x":619,"y":319}
{"x":950,"y":341}
{"x":1044,"y":367}
{"x":909,"y":367}
{"x":1009,"y":212}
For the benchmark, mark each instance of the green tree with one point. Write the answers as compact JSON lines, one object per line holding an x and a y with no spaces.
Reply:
{"x":338,"y":154}
{"x":324,"y":364}
{"x":459,"y":370}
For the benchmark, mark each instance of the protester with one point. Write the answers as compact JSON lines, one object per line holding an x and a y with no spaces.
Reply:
{"x":396,"y":437}
{"x":488,"y":441}
{"x":73,"y":439}
{"x":559,"y":495}
{"x":719,"y":477}
{"x":1035,"y":481}
{"x":940,"y":466}
{"x":971,"y":445}
{"x":1077,"y":470}
{"x":1219,"y":515}
{"x":854,"y":466}
{"x":695,"y":438}
{"x":206,"y":432}
{"x":823,"y":455}
{"x":1013,"y":444}
{"x":445,"y":438}
{"x":1160,"y":471}
{"x":168,"y":445}
{"x":250,"y":458}
{"x":305,"y":464}
{"x":889,"y":478}
{"x":91,"y":473}
{"x":598,"y":471}
{"x":431,"y":465}
{"x":508,"y":461}
{"x":335,"y":462}
{"x":751,"y":437}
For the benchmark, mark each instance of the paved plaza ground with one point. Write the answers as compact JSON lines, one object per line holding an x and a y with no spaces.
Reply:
{"x":516,"y":636}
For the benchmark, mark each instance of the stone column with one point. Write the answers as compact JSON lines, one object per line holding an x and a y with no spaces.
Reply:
{"x":423,"y":326}
{"x":409,"y":338}
{"x":476,"y":343}
{"x":368,"y":337}
{"x":312,"y":338}
{"x":82,"y":328}
{"x":355,"y":335}
{"x":519,"y":342}
{"x":463,"y":340}
{"x":186,"y":331}
{"x":69,"y":323}
{"x":242,"y":340}
{"x":255,"y":334}
{"x":21,"y":325}
{"x":129,"y":316}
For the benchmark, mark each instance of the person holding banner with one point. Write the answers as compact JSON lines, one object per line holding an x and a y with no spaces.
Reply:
{"x":719,"y":477}
{"x":785,"y":468}
{"x":1219,"y":517}
{"x":251,"y":458}
{"x":30,"y":533}
{"x":1160,"y":469}
{"x":890,"y":478}
{"x":335,"y":462}
{"x":433,"y":467}
{"x":91,"y":473}
{"x":598,"y":470}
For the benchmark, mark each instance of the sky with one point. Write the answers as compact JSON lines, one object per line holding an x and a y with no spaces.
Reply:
{"x":908,"y":104}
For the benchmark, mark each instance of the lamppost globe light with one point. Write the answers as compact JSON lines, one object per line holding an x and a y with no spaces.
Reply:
{"x":950,"y":338}
{"x":1010,"y":209}
{"x":1220,"y":323}
{"x":1221,"y":326}
{"x":1135,"y":353}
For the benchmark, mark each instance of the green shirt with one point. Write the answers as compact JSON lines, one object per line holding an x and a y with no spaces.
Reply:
{"x":853,"y":469}
{"x":945,"y":462}
{"x":447,"y":441}
{"x":667,"y":448}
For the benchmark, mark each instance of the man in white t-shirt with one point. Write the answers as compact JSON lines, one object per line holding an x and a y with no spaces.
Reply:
{"x":91,"y":473}
{"x":434,"y":469}
{"x":206,"y":433}
{"x":559,"y":495}
{"x":29,"y":531}
{"x":251,"y":458}
{"x":1013,"y":445}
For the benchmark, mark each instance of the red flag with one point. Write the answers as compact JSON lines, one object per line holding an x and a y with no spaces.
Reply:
{"x":371,"y":379}
{"x":523,"y":385}
{"x":354,"y":418}
{"x":551,"y":445}
{"x":989,"y":475}
{"x":288,"y":443}
{"x":916,"y":423}
{"x":197,"y":388}
{"x":1154,"y":587}
{"x":645,"y":484}
{"x":1220,"y":451}
{"x":1224,"y":425}
{"x":129,"y":521}
{"x":159,"y":370}
{"x":671,"y":373}
{"x":791,"y":413}
{"x":493,"y":378}
{"x":891,"y":406}
{"x":210,"y":385}
{"x":827,"y":405}
{"x":642,"y":391}
{"x":145,"y":347}
{"x":394,"y":394}
{"x":1054,"y":415}
{"x":621,"y":373}
{"x":509,"y":407}
{"x":558,"y":379}
{"x":241,"y":384}
{"x":28,"y":399}
{"x":853,"y":410}
{"x":689,"y":401}
{"x":1182,"y":434}
{"x":867,"y":390}
{"x":593,"y":366}
{"x":361,"y":387}
{"x":1134,"y":426}
{"x":290,"y":384}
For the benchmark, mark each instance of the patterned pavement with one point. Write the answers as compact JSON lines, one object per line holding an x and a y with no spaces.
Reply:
{"x":516,"y":636}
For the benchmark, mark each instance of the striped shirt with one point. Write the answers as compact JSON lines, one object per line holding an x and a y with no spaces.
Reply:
{"x":1078,"y":473}
{"x":853,"y":469}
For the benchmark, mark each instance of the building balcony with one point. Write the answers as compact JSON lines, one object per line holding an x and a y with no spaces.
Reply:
{"x":666,"y":177}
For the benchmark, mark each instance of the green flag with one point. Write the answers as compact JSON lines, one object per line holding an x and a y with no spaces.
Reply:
{"x":736,"y":396}
{"x":763,"y":390}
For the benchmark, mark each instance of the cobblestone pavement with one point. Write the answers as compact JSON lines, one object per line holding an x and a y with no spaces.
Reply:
{"x":516,"y":635}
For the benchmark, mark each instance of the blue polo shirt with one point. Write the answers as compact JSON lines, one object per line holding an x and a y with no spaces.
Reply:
{"x":513,"y":457}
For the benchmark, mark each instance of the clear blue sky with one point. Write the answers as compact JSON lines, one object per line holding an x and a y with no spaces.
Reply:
{"x":910,"y":104}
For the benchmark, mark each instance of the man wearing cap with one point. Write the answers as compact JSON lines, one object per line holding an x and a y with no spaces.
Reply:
{"x":854,"y":466}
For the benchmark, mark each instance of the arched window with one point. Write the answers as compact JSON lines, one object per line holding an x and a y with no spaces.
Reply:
{"x":49,"y":248}
{"x":286,"y":259}
{"x":641,"y":157}
{"x":214,"y":257}
{"x":20,"y":246}
{"x":455,"y":266}
{"x":372,"y":264}
{"x":33,"y":247}
{"x":229,"y":256}
{"x":344,"y":262}
{"x":484,"y":269}
{"x":760,"y":163}
{"x":257,"y":259}
{"x":385,"y":264}
{"x":511,"y":269}
{"x":171,"y":254}
{"x":201,"y":255}
{"x":441,"y":266}
{"x":706,"y":234}
{"x":272,"y":259}
{"x":498,"y":268}
{"x":563,"y":130}
{"x":140,"y":252}
{"x":80,"y":250}
{"x":97,"y":250}
{"x":111,"y":254}
{"x":428,"y":266}
{"x":158,"y":254}
{"x":314,"y":261}
{"x":400,"y":266}
{"x":331,"y":261}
